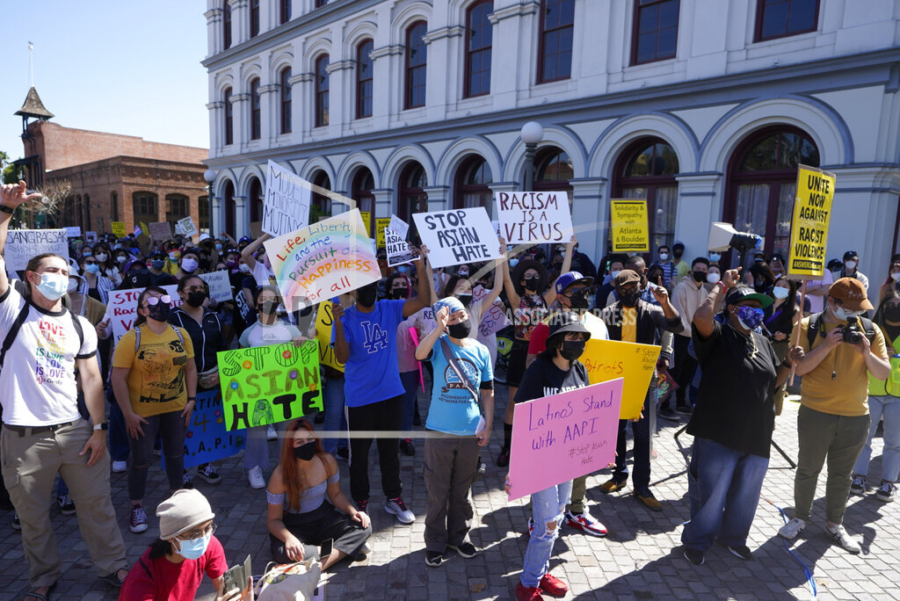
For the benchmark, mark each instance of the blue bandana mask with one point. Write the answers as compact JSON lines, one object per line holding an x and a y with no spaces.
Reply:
{"x":750,"y":317}
{"x":194,"y":549}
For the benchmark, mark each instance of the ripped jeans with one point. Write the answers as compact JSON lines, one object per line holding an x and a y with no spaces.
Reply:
{"x":547,"y":506}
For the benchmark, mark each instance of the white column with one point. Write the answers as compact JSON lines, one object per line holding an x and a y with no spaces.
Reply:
{"x":511,"y":40}
{"x":213,"y":31}
{"x":241,"y":217}
{"x":438,"y":198}
{"x":384,"y":202}
{"x":240,"y":21}
{"x":698,"y":206}
{"x":388,"y":84}
{"x":217,"y":216}
{"x":215,"y":127}
{"x":443,"y":66}
{"x":590,"y":215}
{"x":269,"y":122}
{"x":338,"y":114}
{"x":241,"y":122}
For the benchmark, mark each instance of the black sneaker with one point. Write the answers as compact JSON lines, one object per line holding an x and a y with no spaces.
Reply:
{"x":683,"y":409}
{"x":694,"y":556}
{"x":433,"y":559}
{"x":742,"y":552}
{"x":466,"y":550}
{"x":65,"y":504}
{"x":407,"y":448}
{"x":209,"y":473}
{"x":362,"y":506}
{"x":16,"y":524}
{"x":503,"y":458}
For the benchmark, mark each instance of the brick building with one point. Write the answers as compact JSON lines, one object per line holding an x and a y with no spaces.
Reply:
{"x":112,"y":177}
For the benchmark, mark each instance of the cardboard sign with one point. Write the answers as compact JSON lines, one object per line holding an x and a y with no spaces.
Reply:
{"x":122,"y":308}
{"x":458,"y":236}
{"x":534,"y":217}
{"x":809,"y":226}
{"x":630,"y":229}
{"x":398,"y":251}
{"x":206,"y":438}
{"x":90,"y":237}
{"x":160,"y":231}
{"x":22,"y":245}
{"x":118,"y":229}
{"x":607,"y":360}
{"x":219,"y":285}
{"x":493,"y":318}
{"x":269,"y":384}
{"x":287,"y":201}
{"x":398,"y":226}
{"x":324,"y":325}
{"x":323,"y":260}
{"x":187,"y":226}
{"x":564,"y":436}
{"x":367,"y":221}
{"x":380,"y":224}
{"x":73,"y":231}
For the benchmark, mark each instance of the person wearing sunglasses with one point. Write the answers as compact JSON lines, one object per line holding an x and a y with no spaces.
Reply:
{"x":172,"y":568}
{"x":95,"y":284}
{"x":155,"y":382}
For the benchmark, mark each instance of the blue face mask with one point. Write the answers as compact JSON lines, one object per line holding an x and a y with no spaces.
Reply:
{"x":513,"y":262}
{"x":158,"y":263}
{"x":53,"y":285}
{"x":750,"y":317}
{"x":218,"y":248}
{"x":402,"y":268}
{"x":194,"y":549}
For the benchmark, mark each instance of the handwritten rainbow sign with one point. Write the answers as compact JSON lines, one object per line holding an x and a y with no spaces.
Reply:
{"x":323,"y":260}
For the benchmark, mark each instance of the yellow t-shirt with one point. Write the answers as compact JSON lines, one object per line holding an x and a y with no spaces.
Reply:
{"x":629,"y":324}
{"x":847,"y":393}
{"x":156,"y":382}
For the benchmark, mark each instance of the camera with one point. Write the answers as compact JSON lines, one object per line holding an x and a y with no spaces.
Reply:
{"x":852,"y":333}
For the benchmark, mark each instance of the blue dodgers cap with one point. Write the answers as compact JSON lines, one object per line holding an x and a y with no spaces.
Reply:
{"x":571,"y":277}
{"x":452,"y":303}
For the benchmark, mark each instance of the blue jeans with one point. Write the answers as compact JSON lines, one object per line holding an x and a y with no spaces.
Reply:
{"x":335,"y":420}
{"x":724,"y":486}
{"x":119,"y":447}
{"x":547,"y":506}
{"x":889,"y":408}
{"x":62,"y":488}
{"x":410,"y":381}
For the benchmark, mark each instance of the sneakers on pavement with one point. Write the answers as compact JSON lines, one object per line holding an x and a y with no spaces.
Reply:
{"x":186,"y":481}
{"x":138,"y":521}
{"x":742,"y":552}
{"x":433,"y":559}
{"x":792,"y":529}
{"x":859,"y":485}
{"x":553,"y":586}
{"x":466,"y":550}
{"x":586,"y":523}
{"x":65,"y":504}
{"x":255,"y":476}
{"x":694,"y":556}
{"x":271,"y":434}
{"x":885,"y":492}
{"x":646,"y":497}
{"x":119,"y":467}
{"x":840,"y":536}
{"x":407,"y":448}
{"x":209,"y":473}
{"x":527,"y":593}
{"x":503,"y":457}
{"x":398,"y":508}
{"x":612,"y":485}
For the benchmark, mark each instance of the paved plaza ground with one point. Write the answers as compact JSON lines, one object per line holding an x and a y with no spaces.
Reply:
{"x":640,"y":559}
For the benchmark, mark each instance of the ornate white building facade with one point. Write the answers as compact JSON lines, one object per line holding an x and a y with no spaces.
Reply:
{"x":703,"y":107}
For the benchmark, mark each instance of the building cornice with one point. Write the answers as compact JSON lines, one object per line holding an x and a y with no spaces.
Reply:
{"x":450,"y":31}
{"x":524,"y":7}
{"x":387,"y":51}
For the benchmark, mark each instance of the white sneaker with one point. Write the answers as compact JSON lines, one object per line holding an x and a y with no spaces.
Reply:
{"x":271,"y":434}
{"x":792,"y":529}
{"x":256,"y":478}
{"x":119,"y":467}
{"x":398,"y":508}
{"x":840,"y":536}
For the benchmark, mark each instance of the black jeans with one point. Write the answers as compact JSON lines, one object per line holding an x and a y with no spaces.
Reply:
{"x":317,"y":526}
{"x":171,"y":429}
{"x":685,"y":366}
{"x":381,"y":416}
{"x":641,"y":434}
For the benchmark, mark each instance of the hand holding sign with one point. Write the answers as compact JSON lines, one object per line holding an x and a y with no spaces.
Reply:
{"x":458,"y":236}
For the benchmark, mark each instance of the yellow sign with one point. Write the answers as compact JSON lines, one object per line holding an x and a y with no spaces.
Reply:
{"x":324,"y":324}
{"x":809,"y":227}
{"x":380,"y":224}
{"x":610,"y":359}
{"x":118,"y":228}
{"x":630,"y":228}
{"x":367,"y":220}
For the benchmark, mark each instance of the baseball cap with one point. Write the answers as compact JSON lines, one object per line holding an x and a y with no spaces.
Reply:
{"x":851,"y":293}
{"x":626,"y":276}
{"x":851,"y":254}
{"x":564,"y":322}
{"x":572,"y":277}
{"x":742,"y":293}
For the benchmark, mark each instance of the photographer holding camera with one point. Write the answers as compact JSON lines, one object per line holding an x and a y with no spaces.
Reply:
{"x":841,"y":346}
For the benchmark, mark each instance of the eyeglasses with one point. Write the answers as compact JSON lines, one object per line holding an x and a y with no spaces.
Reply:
{"x":199,"y":533}
{"x":152,"y":301}
{"x":90,"y":262}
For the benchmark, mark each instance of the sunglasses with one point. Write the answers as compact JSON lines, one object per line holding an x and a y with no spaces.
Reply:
{"x":90,"y":262}
{"x":152,"y":301}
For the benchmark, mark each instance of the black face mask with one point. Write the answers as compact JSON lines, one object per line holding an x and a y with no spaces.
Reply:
{"x":532,"y":284}
{"x":367,"y":295}
{"x":579,"y":299}
{"x":631,"y":299}
{"x":400,"y":293}
{"x":892,"y":313}
{"x":461,"y":329}
{"x":159,"y":311}
{"x":196,"y":298}
{"x":306,"y":451}
{"x":699,"y":276}
{"x":678,"y":252}
{"x":572,"y":349}
{"x":465,"y":299}
{"x":267,"y":307}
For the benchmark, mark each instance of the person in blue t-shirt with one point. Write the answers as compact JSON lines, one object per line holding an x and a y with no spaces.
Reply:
{"x":451,"y":460}
{"x":365,"y":340}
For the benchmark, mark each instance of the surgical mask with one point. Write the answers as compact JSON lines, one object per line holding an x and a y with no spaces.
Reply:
{"x":92,"y":268}
{"x":367,"y":295}
{"x":53,"y":285}
{"x":699,"y":276}
{"x":306,"y":451}
{"x":400,"y":293}
{"x":463,"y":273}
{"x":613,"y":274}
{"x":244,"y":268}
{"x":218,"y":248}
{"x":572,"y":349}
{"x":715,"y":257}
{"x":158,"y":263}
{"x":196,"y":298}
{"x":532,"y":284}
{"x":465,"y":299}
{"x":189,"y":265}
{"x":780,"y":293}
{"x":513,"y":262}
{"x":231,"y":264}
{"x":86,"y":253}
{"x":160,"y":311}
{"x":750,"y":318}
{"x":713,"y":278}
{"x":102,"y":257}
{"x":461,"y":329}
{"x":267,"y":307}
{"x":121,"y":259}
{"x":663,"y":256}
{"x":844,"y":315}
{"x":895,"y":275}
{"x":403,"y":268}
{"x":194,"y":549}
{"x":850,"y":264}
{"x":73,"y":286}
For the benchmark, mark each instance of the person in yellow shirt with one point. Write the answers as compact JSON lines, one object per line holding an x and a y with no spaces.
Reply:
{"x":155,"y":380}
{"x":833,"y":421}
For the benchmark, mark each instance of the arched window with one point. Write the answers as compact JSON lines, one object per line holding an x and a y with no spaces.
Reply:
{"x":553,"y":170}
{"x":762,"y":183}
{"x":229,"y":117}
{"x":230,"y":208}
{"x":479,"y":40}
{"x":555,"y":42}
{"x":646,"y":170}
{"x":255,"y":198}
{"x":255,"y":110}
{"x":114,"y":205}
{"x":226,"y":25}
{"x":286,"y":100}
{"x":416,"y":64}
{"x":178,"y":207}
{"x":363,"y":184}
{"x":322,"y":91}
{"x":254,"y":18}
{"x":472,"y":179}
{"x":321,"y":207}
{"x":364,"y":79}
{"x":654,"y":30}
{"x":144,"y":207}
{"x":412,"y":198}
{"x":285,"y":11}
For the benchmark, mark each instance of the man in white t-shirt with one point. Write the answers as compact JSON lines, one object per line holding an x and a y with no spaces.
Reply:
{"x":43,"y":432}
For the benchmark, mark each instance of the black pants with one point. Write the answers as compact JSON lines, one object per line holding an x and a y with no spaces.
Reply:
{"x":685,"y":366}
{"x":319,"y":525}
{"x":641,"y":431}
{"x":381,"y":416}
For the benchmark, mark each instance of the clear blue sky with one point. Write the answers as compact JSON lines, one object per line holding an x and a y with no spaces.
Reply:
{"x":120,"y":66}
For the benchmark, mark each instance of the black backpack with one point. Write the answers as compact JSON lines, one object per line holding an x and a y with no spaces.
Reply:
{"x":815,"y":327}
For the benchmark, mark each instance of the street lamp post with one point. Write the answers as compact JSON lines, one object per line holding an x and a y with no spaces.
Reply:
{"x":210,"y":177}
{"x":532,"y":134}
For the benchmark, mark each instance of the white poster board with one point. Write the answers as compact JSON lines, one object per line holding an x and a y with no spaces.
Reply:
{"x":287,"y":202}
{"x":399,"y":227}
{"x":534,"y":217}
{"x":22,"y":245}
{"x":73,"y":231}
{"x":219,"y":285}
{"x":122,"y":308}
{"x":493,"y":318}
{"x":187,"y":226}
{"x":398,"y":251}
{"x":458,"y":236}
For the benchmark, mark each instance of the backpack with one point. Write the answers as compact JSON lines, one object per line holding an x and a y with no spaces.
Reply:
{"x":20,"y":321}
{"x":815,"y":327}
{"x":137,"y":337}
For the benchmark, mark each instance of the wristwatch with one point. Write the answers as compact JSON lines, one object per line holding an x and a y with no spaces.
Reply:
{"x":192,"y":398}
{"x":6,"y":209}
{"x":101,"y":426}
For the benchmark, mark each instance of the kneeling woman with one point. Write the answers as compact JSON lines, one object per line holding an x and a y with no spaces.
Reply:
{"x":299,"y":513}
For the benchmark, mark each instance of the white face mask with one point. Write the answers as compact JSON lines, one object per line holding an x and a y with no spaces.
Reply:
{"x":244,"y":268}
{"x":779,"y":292}
{"x":850,"y":264}
{"x":663,"y":256}
{"x":102,"y":257}
{"x":713,"y":278}
{"x":895,"y":276}
{"x":73,"y":286}
{"x":843,"y":315}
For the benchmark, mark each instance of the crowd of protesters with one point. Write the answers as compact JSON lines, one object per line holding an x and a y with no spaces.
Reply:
{"x":730,"y":336}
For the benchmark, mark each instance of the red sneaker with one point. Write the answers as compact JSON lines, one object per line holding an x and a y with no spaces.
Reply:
{"x":524,"y":593}
{"x":552,"y":585}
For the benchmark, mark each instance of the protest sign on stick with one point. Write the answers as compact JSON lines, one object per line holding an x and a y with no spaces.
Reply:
{"x":73,"y":231}
{"x":118,"y":228}
{"x":399,"y":227}
{"x":564,"y":436}
{"x":187,"y":226}
{"x":22,"y":245}
{"x":607,"y":360}
{"x":398,"y":251}
{"x":219,"y":285}
{"x":160,"y":231}
{"x":122,"y":308}
{"x":380,"y":225}
{"x":324,"y":325}
{"x":809,"y":226}
{"x":266,"y":385}
{"x":534,"y":217}
{"x":630,"y":228}
{"x":457,"y":236}
{"x":287,"y":201}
